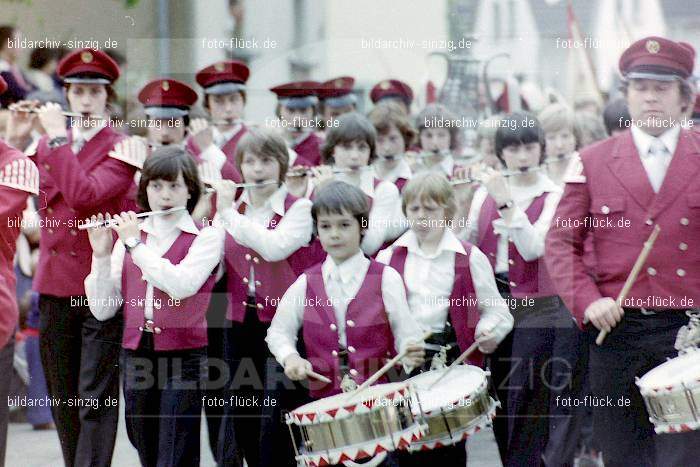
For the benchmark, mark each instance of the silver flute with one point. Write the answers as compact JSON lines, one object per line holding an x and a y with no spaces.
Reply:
{"x":246,"y":185}
{"x":304,"y":172}
{"x":505,"y":173}
{"x":108,"y":223}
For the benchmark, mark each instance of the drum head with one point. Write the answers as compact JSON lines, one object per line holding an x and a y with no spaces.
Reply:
{"x":376,"y":392}
{"x":682,"y":369}
{"x":462,"y":382}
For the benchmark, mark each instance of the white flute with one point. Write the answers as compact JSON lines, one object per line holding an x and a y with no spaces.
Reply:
{"x":246,"y":185}
{"x":505,"y":173}
{"x":65,"y":112}
{"x":111,"y":223}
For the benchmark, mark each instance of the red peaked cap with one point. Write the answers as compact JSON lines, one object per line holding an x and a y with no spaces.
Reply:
{"x":657,"y":58}
{"x":167,"y":92}
{"x":97,"y":66}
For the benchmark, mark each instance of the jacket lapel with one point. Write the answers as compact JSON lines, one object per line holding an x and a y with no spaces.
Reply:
{"x":627,"y":167}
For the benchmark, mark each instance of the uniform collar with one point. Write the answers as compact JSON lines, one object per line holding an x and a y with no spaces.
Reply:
{"x":402,"y":170}
{"x":224,"y":137}
{"x":448,"y":242}
{"x":543,"y":185}
{"x":155,"y":225}
{"x":345,"y":272}
{"x":275,"y":202}
{"x":89,"y":132}
{"x":643,"y":140}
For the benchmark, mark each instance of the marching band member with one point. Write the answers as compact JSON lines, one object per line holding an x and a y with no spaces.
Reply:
{"x":337,"y":98}
{"x":296,"y":109}
{"x":363,"y":317}
{"x":264,"y":253}
{"x":438,"y":134}
{"x":395,"y":135}
{"x":616,"y":116}
{"x":639,"y":178}
{"x":393,"y":90}
{"x":561,"y":140}
{"x":80,"y":177}
{"x":508,"y":221}
{"x":19,"y":178}
{"x":351,"y":146}
{"x":162,"y":270}
{"x":443,"y":275}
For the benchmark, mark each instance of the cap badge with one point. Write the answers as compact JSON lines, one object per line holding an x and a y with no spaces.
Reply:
{"x":165,"y":86}
{"x":338,"y":83}
{"x":86,"y":57}
{"x":219,"y":66}
{"x":653,"y":46}
{"x":384,"y":85}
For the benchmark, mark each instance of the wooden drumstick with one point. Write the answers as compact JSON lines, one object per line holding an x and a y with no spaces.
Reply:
{"x":373,"y":379}
{"x":641,"y":259}
{"x":317,"y":376}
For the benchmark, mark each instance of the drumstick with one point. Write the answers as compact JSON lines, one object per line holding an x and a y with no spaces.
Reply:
{"x":633,"y":276}
{"x":315,"y":375}
{"x":373,"y":379}
{"x":110,"y":223}
{"x":462,"y":357}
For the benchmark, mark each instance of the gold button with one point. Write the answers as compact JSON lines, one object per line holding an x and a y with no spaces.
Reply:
{"x":605,"y":210}
{"x":353,"y":372}
{"x":334,"y":353}
{"x":649,"y":222}
{"x":245,"y":280}
{"x":258,"y":283}
{"x":50,"y":231}
{"x":141,"y":328}
{"x":651,"y":271}
{"x":243,"y":303}
{"x":511,"y":262}
{"x":492,"y":254}
{"x":49,"y":210}
{"x":350,"y":323}
{"x":256,"y":260}
{"x":73,"y":254}
{"x":47,"y":167}
{"x":680,"y":272}
{"x":683,"y":246}
{"x":157,"y":330}
{"x":247,"y":257}
{"x":334,"y":327}
{"x":684,"y":221}
{"x":512,"y":284}
{"x":260,"y":306}
{"x":73,"y":232}
{"x":53,"y":252}
{"x":351,"y":349}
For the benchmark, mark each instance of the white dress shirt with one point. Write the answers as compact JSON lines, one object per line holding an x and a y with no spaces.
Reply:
{"x":213,"y":152}
{"x":402,"y":170}
{"x":82,"y":134}
{"x":342,"y":283}
{"x":386,"y":220}
{"x":528,"y":237}
{"x":430,"y":278}
{"x":104,"y":283}
{"x":656,"y":163}
{"x":250,"y":229}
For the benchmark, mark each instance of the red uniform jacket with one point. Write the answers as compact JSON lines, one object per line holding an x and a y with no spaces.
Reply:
{"x":76,"y":186}
{"x":614,"y":201}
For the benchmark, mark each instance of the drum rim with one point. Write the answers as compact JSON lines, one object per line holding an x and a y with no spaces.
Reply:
{"x":646,"y":389}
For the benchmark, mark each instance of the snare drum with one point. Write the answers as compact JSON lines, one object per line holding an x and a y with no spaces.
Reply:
{"x":671,"y":392}
{"x":337,"y":429}
{"x":456,"y":407}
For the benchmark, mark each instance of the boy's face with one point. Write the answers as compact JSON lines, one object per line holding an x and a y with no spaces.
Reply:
{"x":87,"y":98}
{"x":163,"y":194}
{"x":351,"y":154}
{"x":559,"y":142}
{"x":435,"y":139}
{"x":166,"y":131}
{"x":257,"y":168}
{"x":339,"y":235}
{"x":520,"y":156}
{"x":390,"y":143}
{"x":226,"y":106}
{"x":426,"y":218}
{"x":295,"y":117}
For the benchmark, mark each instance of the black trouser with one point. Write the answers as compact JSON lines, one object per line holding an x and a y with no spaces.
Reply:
{"x":636,"y":345}
{"x":218,"y":369}
{"x":546,"y":369}
{"x":246,"y":354}
{"x":163,"y":403}
{"x":6,"y":360}
{"x":455,"y":456}
{"x":80,"y":356}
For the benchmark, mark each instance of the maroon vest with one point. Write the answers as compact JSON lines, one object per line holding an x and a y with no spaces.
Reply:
{"x":464,"y":314}
{"x":309,"y":150}
{"x":183,"y":324}
{"x":527,"y":278}
{"x":370,"y":340}
{"x":272,"y":279}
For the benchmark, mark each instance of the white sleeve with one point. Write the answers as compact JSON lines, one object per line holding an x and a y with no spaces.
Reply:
{"x":292,"y":233}
{"x":403,"y":325}
{"x":471,"y":231}
{"x":495,"y":315}
{"x":386,"y":221}
{"x":529,"y":238}
{"x":214,"y":155}
{"x":282,"y":334}
{"x":384,"y":256}
{"x":184,"y":279}
{"x":103,"y":286}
